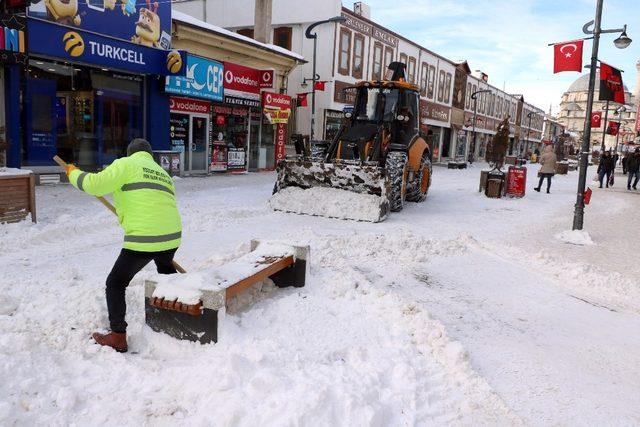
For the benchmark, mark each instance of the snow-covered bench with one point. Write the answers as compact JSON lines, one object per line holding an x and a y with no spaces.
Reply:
{"x":191,"y":306}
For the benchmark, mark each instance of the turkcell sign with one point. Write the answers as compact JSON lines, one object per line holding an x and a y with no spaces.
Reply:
{"x":204,"y":79}
{"x":70,"y":44}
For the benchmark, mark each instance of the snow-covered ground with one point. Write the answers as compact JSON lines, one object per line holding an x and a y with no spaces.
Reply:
{"x":460,"y":310}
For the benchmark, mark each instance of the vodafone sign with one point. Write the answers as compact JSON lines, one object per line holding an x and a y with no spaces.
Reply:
{"x":241,"y":85}
{"x":278,"y":101}
{"x":266,"y":78}
{"x":188,"y":105}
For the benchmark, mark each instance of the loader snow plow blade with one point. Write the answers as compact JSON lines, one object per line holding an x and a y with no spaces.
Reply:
{"x":335,"y":190}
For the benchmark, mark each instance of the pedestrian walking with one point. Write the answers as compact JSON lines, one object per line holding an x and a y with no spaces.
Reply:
{"x":548,"y":161}
{"x":625,"y":160}
{"x":605,"y":168}
{"x":633,"y":168}
{"x":144,"y":197}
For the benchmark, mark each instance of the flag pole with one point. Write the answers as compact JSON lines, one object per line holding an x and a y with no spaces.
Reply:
{"x":578,"y":215}
{"x":604,"y":132}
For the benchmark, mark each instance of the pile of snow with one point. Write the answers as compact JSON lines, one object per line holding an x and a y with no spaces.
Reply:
{"x":328,"y":202}
{"x":14,"y":171}
{"x":575,"y":237}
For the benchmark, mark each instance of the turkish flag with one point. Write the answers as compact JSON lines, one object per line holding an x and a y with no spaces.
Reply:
{"x":596,"y":119}
{"x":611,"y":87}
{"x":320,"y":86}
{"x":567,"y":56}
{"x":302,"y":100}
{"x":613,"y":128}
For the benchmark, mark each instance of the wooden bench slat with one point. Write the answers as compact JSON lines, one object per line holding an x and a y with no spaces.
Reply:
{"x":263,"y":274}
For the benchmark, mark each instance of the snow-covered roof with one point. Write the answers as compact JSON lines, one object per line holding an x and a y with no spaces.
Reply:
{"x":190,"y":20}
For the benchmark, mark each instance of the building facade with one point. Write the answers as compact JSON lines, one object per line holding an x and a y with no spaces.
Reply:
{"x":91,"y":84}
{"x":89,"y":87}
{"x":220,"y":112}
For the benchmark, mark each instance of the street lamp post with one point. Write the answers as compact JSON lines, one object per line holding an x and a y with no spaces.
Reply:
{"x":472,"y":150}
{"x":526,"y":143}
{"x":314,"y":36}
{"x":621,"y":42}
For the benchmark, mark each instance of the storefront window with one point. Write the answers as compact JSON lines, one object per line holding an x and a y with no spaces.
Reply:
{"x":447,"y":88}
{"x":431,"y":82}
{"x":461,"y":145}
{"x":229,"y":128}
{"x":377,"y":61}
{"x":423,"y":79}
{"x":358,"y":55}
{"x":345,"y":52}
{"x":388,"y":56}
{"x":332,"y":122}
{"x":86,"y":116}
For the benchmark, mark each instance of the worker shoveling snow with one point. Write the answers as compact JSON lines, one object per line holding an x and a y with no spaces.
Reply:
{"x":328,"y":202}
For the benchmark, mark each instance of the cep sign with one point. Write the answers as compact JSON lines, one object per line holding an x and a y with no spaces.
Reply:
{"x":204,"y":79}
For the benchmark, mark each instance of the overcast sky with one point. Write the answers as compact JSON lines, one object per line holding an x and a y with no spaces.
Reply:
{"x":507,"y":39}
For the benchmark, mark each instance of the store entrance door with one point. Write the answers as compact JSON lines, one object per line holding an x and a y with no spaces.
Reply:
{"x":119,"y":117}
{"x":197,"y":151}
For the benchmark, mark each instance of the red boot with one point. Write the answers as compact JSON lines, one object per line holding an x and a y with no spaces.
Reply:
{"x":115,"y":340}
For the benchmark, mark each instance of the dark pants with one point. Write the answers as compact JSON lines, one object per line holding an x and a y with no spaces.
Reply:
{"x":542,"y":177}
{"x":128,"y":264}
{"x":633,"y":174}
{"x":601,"y":176}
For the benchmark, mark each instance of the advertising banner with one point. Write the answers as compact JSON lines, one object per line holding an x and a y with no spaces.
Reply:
{"x":281,"y":139}
{"x":203,"y":79}
{"x":218,"y":157}
{"x":57,"y":41}
{"x":277,"y":107}
{"x":136,"y":21}
{"x":241,"y":85}
{"x":235,"y":159}
{"x":516,"y":181}
{"x":13,"y":42}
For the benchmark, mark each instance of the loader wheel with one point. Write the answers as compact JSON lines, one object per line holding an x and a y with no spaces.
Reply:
{"x":396,"y":166}
{"x":419,"y":188}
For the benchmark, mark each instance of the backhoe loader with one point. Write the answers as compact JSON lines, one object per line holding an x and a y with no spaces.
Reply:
{"x":378,"y":149}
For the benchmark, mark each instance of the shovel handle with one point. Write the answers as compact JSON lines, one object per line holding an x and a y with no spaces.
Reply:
{"x":109,"y":206}
{"x":104,"y":201}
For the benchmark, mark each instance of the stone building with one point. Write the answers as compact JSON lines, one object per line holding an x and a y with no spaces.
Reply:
{"x":361,"y":49}
{"x":573,"y":107}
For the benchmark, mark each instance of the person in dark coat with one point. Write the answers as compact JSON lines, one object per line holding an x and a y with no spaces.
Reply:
{"x":625,"y":159}
{"x":633,"y":168}
{"x":605,"y":167}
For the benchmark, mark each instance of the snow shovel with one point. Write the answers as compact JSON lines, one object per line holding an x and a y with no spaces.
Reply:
{"x":109,"y":206}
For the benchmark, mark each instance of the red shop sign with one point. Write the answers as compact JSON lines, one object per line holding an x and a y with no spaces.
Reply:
{"x":516,"y":181}
{"x":241,"y":79}
{"x":266,"y":78}
{"x":281,"y":137}
{"x":188,"y":105}
{"x":278,"y":101}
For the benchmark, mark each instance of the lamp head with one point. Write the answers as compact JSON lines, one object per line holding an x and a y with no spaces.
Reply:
{"x":623,"y":41}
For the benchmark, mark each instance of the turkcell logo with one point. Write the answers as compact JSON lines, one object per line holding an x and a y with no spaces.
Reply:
{"x":204,"y":79}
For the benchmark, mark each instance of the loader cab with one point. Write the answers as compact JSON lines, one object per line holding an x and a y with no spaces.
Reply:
{"x":393,"y":108}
